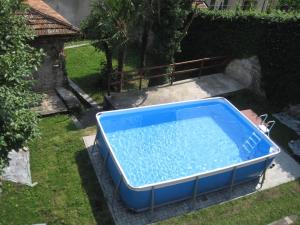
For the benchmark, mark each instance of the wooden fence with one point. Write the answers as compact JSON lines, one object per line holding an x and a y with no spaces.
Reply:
{"x":183,"y":69}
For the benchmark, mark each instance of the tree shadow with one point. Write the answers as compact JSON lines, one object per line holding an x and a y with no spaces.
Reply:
{"x":89,"y":81}
{"x":92,"y":188}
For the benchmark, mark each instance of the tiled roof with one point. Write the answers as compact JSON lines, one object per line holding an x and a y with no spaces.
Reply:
{"x":45,"y":21}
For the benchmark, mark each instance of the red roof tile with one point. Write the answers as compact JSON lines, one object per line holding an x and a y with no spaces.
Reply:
{"x":45,"y":21}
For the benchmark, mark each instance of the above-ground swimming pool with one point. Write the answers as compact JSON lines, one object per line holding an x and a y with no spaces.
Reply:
{"x":166,"y":153}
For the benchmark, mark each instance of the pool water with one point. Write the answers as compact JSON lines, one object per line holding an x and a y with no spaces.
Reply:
{"x":201,"y":141}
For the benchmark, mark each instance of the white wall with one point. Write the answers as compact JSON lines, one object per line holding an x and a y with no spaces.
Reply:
{"x":73,"y":10}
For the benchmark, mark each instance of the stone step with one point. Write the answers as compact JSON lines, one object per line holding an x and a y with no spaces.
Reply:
{"x":69,"y":99}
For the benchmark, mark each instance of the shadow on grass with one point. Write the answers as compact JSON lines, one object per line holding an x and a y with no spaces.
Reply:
{"x":92,"y":188}
{"x":89,"y":81}
{"x":71,"y":126}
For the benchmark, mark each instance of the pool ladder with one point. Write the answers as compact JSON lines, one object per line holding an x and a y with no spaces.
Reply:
{"x":251,"y":142}
{"x":265,"y":126}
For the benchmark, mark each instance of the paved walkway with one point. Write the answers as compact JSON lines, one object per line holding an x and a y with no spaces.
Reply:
{"x":290,"y":121}
{"x":76,"y":46}
{"x":286,"y":169}
{"x":51,"y":104}
{"x":190,"y":89}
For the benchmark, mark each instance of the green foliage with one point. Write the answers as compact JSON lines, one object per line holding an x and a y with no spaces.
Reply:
{"x":168,"y":28}
{"x":18,"y":59}
{"x":273,"y":37}
{"x":108,"y":23}
{"x":289,"y":5}
{"x":170,"y":18}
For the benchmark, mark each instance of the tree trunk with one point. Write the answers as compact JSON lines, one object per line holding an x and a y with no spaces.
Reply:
{"x":121,"y":59}
{"x":145,"y":39}
{"x":108,"y":56}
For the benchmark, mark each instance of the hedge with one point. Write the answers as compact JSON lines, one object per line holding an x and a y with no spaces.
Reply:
{"x":273,"y":37}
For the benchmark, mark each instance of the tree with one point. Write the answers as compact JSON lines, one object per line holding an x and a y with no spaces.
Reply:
{"x":109,"y":24}
{"x":169,"y":27}
{"x":18,"y":60}
{"x":145,"y":21}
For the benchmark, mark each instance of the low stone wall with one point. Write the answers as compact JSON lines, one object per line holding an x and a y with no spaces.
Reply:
{"x":247,"y":72}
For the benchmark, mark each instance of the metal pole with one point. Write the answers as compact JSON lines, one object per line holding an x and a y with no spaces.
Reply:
{"x":152,"y":201}
{"x":104,"y":162}
{"x":95,"y":142}
{"x":115,"y":192}
{"x":264,"y":173}
{"x":232,"y":181}
{"x":195,"y":191}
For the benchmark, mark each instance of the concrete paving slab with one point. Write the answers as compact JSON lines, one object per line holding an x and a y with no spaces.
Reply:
{"x":285,"y":169}
{"x":18,"y":170}
{"x":51,"y":104}
{"x":295,"y":146}
{"x":189,"y":89}
{"x":290,"y":121}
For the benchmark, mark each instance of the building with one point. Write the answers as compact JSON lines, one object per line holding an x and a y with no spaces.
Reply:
{"x":52,"y":31}
{"x":73,"y":10}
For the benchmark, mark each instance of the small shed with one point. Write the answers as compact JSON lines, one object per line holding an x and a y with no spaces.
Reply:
{"x":52,"y":31}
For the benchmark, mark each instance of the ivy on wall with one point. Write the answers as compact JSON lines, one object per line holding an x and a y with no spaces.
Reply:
{"x":273,"y":37}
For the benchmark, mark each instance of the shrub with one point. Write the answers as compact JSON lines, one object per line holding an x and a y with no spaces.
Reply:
{"x":274,"y":37}
{"x":18,"y":124}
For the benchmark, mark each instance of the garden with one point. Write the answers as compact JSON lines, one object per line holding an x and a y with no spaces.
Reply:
{"x":68,"y":191}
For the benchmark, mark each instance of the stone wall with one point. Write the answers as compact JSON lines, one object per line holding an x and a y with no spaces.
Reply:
{"x":247,"y":72}
{"x":51,"y":73}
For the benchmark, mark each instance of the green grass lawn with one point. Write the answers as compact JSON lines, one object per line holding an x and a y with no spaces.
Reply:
{"x":83,"y":67}
{"x":261,"y":208}
{"x":67,"y":190}
{"x":85,"y":63}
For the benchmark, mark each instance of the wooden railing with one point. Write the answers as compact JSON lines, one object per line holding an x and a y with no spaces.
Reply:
{"x":181,"y":68}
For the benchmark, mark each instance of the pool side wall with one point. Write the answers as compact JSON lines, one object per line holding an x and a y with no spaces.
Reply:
{"x":142,"y":200}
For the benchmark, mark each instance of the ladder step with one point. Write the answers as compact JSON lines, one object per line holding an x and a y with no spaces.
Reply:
{"x":256,"y":137}
{"x":252,"y":141}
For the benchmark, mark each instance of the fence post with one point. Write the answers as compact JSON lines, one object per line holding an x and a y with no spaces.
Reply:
{"x":172,"y":73}
{"x":141,"y":74}
{"x":121,"y":80}
{"x":201,"y":68}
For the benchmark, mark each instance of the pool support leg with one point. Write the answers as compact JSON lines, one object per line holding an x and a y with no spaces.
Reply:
{"x":195,"y":191}
{"x":152,"y":201}
{"x":232,"y":181}
{"x":104,"y":163}
{"x":95,"y":141}
{"x":264,"y":173}
{"x":115,"y":193}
